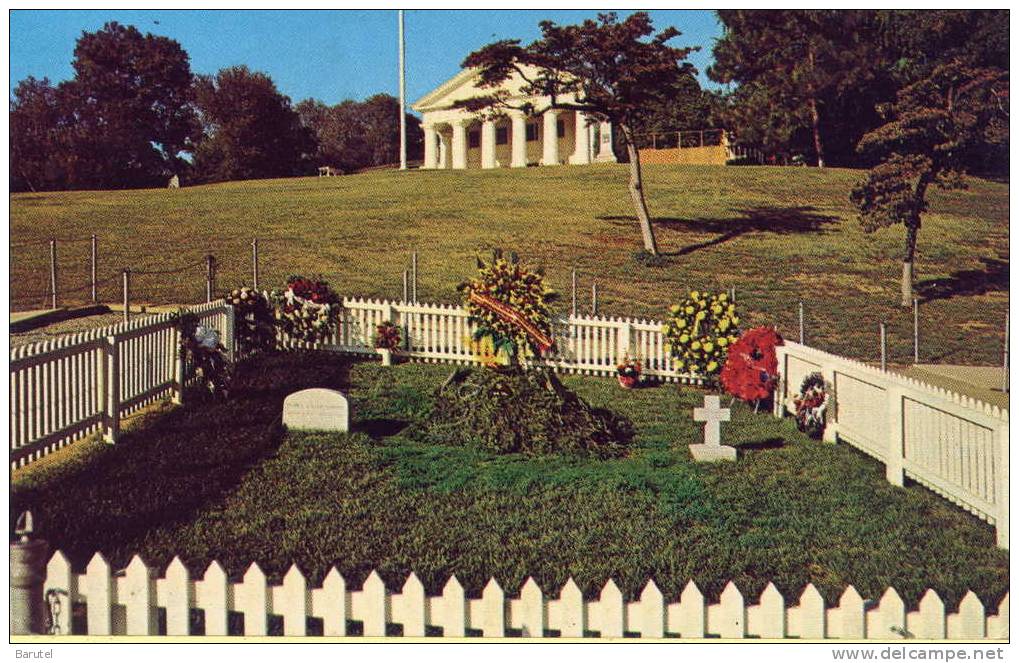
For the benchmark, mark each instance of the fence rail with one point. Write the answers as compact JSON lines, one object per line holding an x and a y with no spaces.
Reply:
{"x":955,"y":445}
{"x":128,"y":603}
{"x":586,"y":344}
{"x":67,"y":388}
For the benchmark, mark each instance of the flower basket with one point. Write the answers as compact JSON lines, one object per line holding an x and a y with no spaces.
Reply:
{"x":628,"y":381}
{"x":628,"y":373}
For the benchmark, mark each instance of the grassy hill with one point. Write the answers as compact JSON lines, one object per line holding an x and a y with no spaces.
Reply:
{"x":779,"y":235}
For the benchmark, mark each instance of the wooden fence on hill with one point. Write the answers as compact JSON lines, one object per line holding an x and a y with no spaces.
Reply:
{"x":137,"y":602}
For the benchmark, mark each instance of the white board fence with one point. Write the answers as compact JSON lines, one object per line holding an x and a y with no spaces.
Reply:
{"x":954,"y":445}
{"x":64,"y":389}
{"x":126,"y":603}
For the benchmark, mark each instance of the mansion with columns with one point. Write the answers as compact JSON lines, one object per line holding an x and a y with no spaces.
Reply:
{"x":456,"y":138}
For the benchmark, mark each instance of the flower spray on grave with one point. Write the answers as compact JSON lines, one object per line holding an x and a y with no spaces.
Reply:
{"x":254,"y":321}
{"x":202,"y":352}
{"x":505,"y":408}
{"x":308,"y":310}
{"x":751,"y":368}
{"x":509,"y":304}
{"x":698,"y":333}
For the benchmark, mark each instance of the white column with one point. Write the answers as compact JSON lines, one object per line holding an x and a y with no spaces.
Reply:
{"x":430,"y":151}
{"x":488,"y":144}
{"x":519,"y":138}
{"x":550,"y":139}
{"x":443,"y":151}
{"x":460,"y":144}
{"x":582,"y":149}
{"x":605,"y":153}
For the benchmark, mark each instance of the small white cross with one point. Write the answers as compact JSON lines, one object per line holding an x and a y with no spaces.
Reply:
{"x":712,"y":414}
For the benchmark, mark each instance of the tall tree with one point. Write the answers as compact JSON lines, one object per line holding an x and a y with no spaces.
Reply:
{"x":791,"y":67}
{"x":250,"y":129}
{"x":353,"y":135}
{"x":131,"y":109}
{"x":35,"y":114}
{"x":931,"y":127}
{"x":612,"y":70}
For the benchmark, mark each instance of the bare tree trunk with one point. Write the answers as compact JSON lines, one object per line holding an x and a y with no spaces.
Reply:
{"x":636,"y":187}
{"x":815,"y":121}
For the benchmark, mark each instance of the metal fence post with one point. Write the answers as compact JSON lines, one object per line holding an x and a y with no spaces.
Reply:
{"x":405,"y":287}
{"x":95,"y":269}
{"x":1004,"y":368}
{"x":916,"y":330}
{"x":254,"y":264}
{"x":210,"y":267}
{"x":53,"y":273}
{"x":574,"y":276}
{"x":28,"y":573}
{"x":884,"y":346}
{"x":127,"y":294}
{"x":802,"y":335}
{"x":414,"y":277}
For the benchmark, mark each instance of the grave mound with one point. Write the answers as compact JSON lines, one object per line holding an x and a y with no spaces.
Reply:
{"x":510,"y":410}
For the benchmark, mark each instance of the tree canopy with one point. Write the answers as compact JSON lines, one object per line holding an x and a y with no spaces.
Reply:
{"x":612,"y":70}
{"x":121,"y":122}
{"x":250,"y":129}
{"x":352,"y":135}
{"x":931,"y":128}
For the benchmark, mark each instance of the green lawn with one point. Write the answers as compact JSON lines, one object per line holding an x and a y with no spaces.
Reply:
{"x":221,"y":481}
{"x":779,"y":235}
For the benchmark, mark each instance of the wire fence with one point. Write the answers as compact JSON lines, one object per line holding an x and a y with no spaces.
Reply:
{"x":180,"y":275}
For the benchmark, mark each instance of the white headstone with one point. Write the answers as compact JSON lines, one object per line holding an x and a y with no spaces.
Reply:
{"x":712,"y":414}
{"x":317,"y":409}
{"x":174,"y":183}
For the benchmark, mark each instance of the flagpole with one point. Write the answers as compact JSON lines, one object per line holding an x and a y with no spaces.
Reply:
{"x":403,"y":97}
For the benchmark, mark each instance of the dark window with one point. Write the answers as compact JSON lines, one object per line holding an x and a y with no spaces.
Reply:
{"x":501,"y":135}
{"x":560,"y":128}
{"x":474,"y":139}
{"x":532,"y":131}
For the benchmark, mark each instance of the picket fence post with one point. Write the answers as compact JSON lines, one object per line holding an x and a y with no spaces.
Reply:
{"x":831,"y":428}
{"x":230,"y":333}
{"x":111,"y":390}
{"x":1001,"y":487}
{"x":179,"y":368}
{"x":895,"y":449}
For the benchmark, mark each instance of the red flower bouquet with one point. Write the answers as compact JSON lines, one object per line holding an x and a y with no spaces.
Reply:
{"x":751,"y":370}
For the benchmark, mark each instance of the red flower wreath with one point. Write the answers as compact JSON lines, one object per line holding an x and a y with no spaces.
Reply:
{"x":751,"y":369}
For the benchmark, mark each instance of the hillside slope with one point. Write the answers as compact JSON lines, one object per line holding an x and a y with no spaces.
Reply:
{"x":779,"y":235}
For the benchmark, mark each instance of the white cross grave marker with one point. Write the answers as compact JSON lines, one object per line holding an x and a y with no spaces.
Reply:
{"x":712,"y":414}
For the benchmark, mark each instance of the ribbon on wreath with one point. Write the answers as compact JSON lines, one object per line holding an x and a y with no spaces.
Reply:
{"x":514,"y":317}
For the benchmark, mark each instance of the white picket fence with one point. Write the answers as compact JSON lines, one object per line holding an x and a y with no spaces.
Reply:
{"x":67,"y":388}
{"x":591,"y":345}
{"x":126,"y":603}
{"x":954,"y":445}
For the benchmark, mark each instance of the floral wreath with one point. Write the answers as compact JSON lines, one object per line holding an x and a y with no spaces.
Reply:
{"x":751,"y":369}
{"x":811,"y":405}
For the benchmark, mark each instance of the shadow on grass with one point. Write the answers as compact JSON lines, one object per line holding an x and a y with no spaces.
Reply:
{"x":378,"y":429}
{"x":167,"y":469}
{"x":993,"y":277}
{"x":772,"y":220}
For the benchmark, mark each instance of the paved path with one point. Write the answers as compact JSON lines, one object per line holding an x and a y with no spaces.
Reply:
{"x":980,"y":382}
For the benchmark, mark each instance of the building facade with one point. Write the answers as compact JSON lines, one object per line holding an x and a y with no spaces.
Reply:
{"x":458,"y":139}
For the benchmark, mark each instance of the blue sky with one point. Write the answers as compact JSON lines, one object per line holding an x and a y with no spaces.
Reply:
{"x":330,"y":55}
